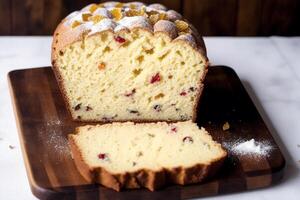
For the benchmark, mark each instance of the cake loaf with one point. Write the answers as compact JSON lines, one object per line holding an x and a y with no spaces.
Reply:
{"x":129,"y":61}
{"x":150,"y":155}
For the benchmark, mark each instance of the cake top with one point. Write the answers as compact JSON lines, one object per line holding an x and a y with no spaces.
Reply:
{"x":117,"y":16}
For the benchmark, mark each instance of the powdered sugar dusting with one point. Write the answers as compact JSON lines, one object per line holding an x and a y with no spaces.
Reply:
{"x":53,"y":138}
{"x":249,"y":147}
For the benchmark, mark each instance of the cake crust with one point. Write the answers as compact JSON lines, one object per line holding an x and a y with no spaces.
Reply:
{"x":65,"y":36}
{"x":144,"y":178}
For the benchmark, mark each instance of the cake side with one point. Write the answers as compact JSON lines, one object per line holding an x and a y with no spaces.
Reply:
{"x":159,"y":172}
{"x":66,"y":39}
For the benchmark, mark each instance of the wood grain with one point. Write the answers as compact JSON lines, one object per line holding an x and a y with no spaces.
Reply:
{"x":44,"y":123}
{"x":5,"y":17}
{"x":211,"y":17}
{"x":27,"y":17}
{"x":249,"y":17}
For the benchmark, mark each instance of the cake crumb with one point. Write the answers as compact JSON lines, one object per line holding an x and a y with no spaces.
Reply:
{"x":11,"y":146}
{"x":226,"y":126}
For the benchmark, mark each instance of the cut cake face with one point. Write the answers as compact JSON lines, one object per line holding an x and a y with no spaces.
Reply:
{"x":119,"y":62}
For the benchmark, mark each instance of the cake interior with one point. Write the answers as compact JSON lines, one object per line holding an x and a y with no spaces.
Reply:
{"x":132,"y":75}
{"x":128,"y":147}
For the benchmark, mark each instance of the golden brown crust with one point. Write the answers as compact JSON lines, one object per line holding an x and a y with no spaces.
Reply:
{"x":145,"y":178}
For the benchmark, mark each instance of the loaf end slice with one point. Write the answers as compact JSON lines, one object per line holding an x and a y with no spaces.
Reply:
{"x":129,"y":62}
{"x":149,"y":155}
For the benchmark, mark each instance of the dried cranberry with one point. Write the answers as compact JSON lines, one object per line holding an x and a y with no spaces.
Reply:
{"x":188,"y":139}
{"x":155,"y":78}
{"x":183,"y":93}
{"x":120,"y":39}
{"x":174,"y":129}
{"x":131,"y":93}
{"x":102,"y":156}
{"x":77,"y":107}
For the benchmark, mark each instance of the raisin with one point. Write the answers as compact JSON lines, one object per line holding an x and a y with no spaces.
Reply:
{"x":133,"y":111}
{"x":120,"y":39}
{"x":79,"y":117}
{"x":188,"y":139}
{"x":192,"y":89}
{"x":155,"y":78}
{"x":78,"y":106}
{"x":133,"y":163}
{"x":183,"y":93}
{"x":130,"y":93}
{"x":61,"y":53}
{"x":88,"y":108}
{"x":157,"y":107}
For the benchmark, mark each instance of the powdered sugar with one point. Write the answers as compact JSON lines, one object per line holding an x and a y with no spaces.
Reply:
{"x":249,"y":147}
{"x":109,"y":23}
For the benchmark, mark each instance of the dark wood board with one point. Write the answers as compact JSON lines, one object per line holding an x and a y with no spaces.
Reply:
{"x":44,"y":123}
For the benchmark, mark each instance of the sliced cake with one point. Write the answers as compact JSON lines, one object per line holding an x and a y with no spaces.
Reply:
{"x":129,"y":61}
{"x":151,"y":155}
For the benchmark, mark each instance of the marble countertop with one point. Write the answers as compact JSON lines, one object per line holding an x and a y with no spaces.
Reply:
{"x":268,"y":67}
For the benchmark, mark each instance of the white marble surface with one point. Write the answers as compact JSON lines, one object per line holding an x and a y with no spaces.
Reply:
{"x":268,"y":67}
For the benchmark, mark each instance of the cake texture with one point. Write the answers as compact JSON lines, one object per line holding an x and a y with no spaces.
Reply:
{"x":129,"y":61}
{"x":150,"y":155}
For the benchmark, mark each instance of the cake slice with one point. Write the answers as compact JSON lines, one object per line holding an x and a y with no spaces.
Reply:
{"x":150,"y":155}
{"x":129,"y":61}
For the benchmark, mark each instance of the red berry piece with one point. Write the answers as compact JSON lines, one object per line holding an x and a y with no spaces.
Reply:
{"x":155,"y":78}
{"x":183,"y":93}
{"x":174,"y":129}
{"x":102,"y":156}
{"x":120,"y":39}
{"x":188,"y":139}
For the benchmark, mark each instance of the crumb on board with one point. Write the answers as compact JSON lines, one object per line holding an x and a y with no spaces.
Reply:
{"x":298,"y":145}
{"x":11,"y":146}
{"x":1,"y":138}
{"x":226,"y":126}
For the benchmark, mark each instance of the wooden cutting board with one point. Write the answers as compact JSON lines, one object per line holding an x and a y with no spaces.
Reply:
{"x":44,"y":123}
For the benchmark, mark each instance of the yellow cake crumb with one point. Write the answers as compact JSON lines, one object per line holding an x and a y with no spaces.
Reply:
{"x":226,"y":126}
